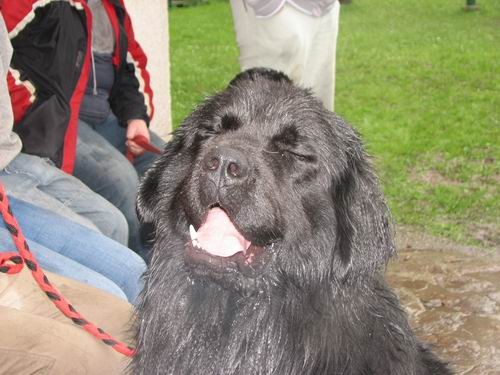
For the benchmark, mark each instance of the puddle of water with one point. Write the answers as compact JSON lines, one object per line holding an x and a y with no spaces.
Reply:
{"x":453,"y":300}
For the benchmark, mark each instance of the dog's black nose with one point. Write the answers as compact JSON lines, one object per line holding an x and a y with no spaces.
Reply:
{"x":228,"y":163}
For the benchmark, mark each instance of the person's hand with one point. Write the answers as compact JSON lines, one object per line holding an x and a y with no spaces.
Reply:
{"x":134,"y":128}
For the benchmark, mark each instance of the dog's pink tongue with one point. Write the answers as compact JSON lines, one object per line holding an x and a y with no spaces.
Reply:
{"x":219,"y":237}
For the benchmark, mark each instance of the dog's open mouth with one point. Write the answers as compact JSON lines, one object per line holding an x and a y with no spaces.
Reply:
{"x":220,"y":246}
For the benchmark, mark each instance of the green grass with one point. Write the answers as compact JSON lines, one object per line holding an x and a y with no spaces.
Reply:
{"x":420,"y":80}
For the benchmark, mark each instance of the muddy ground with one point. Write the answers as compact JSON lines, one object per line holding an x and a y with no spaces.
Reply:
{"x":452,"y":294}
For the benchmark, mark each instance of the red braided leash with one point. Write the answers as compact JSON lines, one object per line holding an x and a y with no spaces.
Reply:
{"x":144,"y":143}
{"x":54,"y":295}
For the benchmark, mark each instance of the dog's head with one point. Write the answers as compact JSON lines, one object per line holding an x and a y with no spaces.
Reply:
{"x":261,"y":185}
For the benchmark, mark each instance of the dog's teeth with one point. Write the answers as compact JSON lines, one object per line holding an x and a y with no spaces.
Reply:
{"x":192,"y":233}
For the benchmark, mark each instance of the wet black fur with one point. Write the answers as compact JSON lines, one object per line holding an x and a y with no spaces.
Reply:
{"x":320,"y":305}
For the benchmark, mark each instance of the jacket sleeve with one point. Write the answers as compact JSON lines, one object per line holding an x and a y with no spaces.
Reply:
{"x":22,"y":92}
{"x":132,"y":96}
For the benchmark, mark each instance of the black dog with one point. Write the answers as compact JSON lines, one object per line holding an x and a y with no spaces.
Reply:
{"x":271,"y":241}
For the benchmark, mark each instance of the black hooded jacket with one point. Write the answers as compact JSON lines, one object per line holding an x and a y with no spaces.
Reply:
{"x":50,"y":69}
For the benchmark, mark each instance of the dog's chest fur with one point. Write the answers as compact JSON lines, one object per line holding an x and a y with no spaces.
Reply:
{"x":209,"y":330}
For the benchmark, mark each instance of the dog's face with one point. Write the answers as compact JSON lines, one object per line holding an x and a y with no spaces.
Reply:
{"x":262,"y":186}
{"x":270,"y":235}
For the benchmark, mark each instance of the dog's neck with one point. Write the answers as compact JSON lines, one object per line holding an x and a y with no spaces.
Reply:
{"x":205,"y":326}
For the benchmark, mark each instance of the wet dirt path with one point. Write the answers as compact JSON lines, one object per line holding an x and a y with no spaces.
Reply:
{"x":453,"y":299}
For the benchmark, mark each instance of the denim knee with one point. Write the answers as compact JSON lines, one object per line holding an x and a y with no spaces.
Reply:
{"x":133,"y":283}
{"x":56,"y":263}
{"x":114,"y":224}
{"x":144,"y":162}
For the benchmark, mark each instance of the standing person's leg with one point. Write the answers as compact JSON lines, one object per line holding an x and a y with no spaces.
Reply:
{"x":35,"y":180}
{"x":90,"y":249}
{"x":301,"y":46}
{"x":321,"y":57}
{"x":107,"y":172}
{"x":276,"y":42}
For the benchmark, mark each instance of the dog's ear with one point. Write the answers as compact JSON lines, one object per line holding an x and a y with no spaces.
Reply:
{"x":364,"y":241}
{"x":150,"y":188}
{"x":342,"y":192}
{"x":148,"y":195}
{"x":256,"y":73}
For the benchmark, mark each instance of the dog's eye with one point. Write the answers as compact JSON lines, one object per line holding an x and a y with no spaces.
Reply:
{"x":230,"y":122}
{"x":207,"y":130}
{"x":299,"y":156}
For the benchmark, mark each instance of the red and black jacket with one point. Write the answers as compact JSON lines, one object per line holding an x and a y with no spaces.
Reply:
{"x":50,"y":69}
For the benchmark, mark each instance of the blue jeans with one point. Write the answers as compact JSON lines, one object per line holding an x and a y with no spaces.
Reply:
{"x":38,"y":181}
{"x":102,"y":166}
{"x":71,"y":250}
